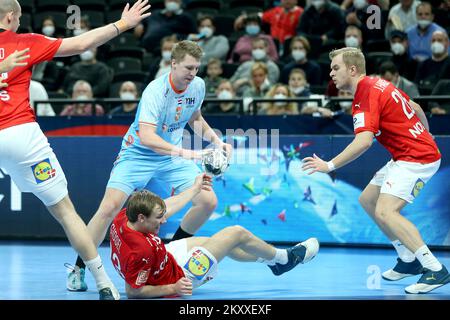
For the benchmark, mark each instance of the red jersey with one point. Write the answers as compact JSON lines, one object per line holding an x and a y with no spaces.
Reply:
{"x":15,"y":99}
{"x":380,"y":107}
{"x":282,"y":23}
{"x":141,"y":259}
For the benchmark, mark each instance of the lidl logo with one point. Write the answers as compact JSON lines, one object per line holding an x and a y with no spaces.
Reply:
{"x":43,"y":171}
{"x":199,"y":264}
{"x":417,"y":187}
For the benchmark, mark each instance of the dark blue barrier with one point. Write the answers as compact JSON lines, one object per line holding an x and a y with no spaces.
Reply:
{"x":272,"y":197}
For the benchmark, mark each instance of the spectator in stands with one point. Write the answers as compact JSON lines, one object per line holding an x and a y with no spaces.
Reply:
{"x":171,"y":20}
{"x":83,"y":27}
{"x":441,"y":107}
{"x":38,"y":92}
{"x":127,"y":91}
{"x":283,"y":20}
{"x":48,"y":27}
{"x":322,"y":23}
{"x":259,"y":84}
{"x":442,"y":14}
{"x":259,"y":52}
{"x":419,"y":35}
{"x":383,"y":4}
{"x":298,"y":84}
{"x":242,"y":50}
{"x":90,"y":70}
{"x":430,"y":71}
{"x":389,"y":72}
{"x":358,"y":15}
{"x":401,"y":16}
{"x":354,"y":38}
{"x":82,"y":91}
{"x":213,"y":76}
{"x":299,"y":52}
{"x":161,"y":65}
{"x":214,"y":46}
{"x":224,"y":91}
{"x":345,"y":106}
{"x":399,"y":47}
{"x":279,"y":91}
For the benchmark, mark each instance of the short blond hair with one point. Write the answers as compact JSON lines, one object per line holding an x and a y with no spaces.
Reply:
{"x":351,"y":57}
{"x":184,"y":48}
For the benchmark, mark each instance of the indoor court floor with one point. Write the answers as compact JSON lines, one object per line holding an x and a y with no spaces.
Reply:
{"x":34,"y":270}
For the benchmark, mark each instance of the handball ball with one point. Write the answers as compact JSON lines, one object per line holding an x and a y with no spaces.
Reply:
{"x":215,"y":162}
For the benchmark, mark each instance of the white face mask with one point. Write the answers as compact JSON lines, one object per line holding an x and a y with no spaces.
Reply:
{"x":172,"y":6}
{"x":77,"y":32}
{"x":437,"y":48}
{"x":87,"y":55}
{"x":280,"y":96}
{"x":207,"y":31}
{"x":359,"y":4}
{"x":423,"y":23}
{"x":127,"y":95}
{"x":48,"y":30}
{"x":352,"y":41}
{"x":259,"y":54}
{"x":252,"y":29}
{"x":166,"y":55}
{"x":345,"y":105}
{"x":398,"y":48}
{"x":225,"y":94}
{"x":297,"y":90}
{"x":82,"y":97}
{"x":298,"y":55}
{"x":318,"y":4}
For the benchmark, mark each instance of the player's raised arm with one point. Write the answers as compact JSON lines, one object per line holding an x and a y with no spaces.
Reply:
{"x":96,"y":37}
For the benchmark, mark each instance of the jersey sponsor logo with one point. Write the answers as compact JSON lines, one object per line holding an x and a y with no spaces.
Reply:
{"x":142,"y":277}
{"x":357,"y":105}
{"x":417,"y":187}
{"x":43,"y":171}
{"x":358,"y":121}
{"x":198,"y":264}
{"x":190,"y":102}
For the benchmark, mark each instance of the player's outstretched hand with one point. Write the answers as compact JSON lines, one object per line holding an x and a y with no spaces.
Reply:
{"x":184,"y":286}
{"x":203,"y":182}
{"x":16,"y":59}
{"x":314,"y":164}
{"x":134,"y":15}
{"x":228,"y":150}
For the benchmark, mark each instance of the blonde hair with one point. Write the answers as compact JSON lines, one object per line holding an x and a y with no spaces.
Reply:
{"x":186,"y":47}
{"x":289,"y":108}
{"x":7,"y":6}
{"x":351,"y":57}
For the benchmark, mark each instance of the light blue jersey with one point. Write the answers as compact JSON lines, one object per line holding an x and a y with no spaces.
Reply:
{"x":168,"y":111}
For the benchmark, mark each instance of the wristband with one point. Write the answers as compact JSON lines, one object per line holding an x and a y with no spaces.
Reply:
{"x":331,"y":166}
{"x":121,"y":26}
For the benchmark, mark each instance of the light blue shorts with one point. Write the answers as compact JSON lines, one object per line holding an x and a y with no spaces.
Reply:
{"x":163,"y":177}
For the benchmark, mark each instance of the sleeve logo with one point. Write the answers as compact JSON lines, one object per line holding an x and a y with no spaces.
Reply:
{"x":43,"y":171}
{"x":358,"y":121}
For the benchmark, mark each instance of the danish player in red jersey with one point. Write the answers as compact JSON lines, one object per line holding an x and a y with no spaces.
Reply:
{"x":25,"y":152}
{"x":152,"y":269}
{"x":383,"y":111}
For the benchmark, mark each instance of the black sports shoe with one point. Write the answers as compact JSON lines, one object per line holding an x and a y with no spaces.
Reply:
{"x":300,"y":253}
{"x":429,"y":281}
{"x":402,"y":270}
{"x":107,"y":294}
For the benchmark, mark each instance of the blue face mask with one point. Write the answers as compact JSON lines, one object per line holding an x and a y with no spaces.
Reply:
{"x":252,"y":29}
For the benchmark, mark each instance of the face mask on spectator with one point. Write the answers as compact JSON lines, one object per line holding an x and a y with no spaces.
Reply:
{"x":297,"y":90}
{"x":82,"y":97}
{"x":166,"y":55}
{"x":258,"y":54}
{"x":280,"y":96}
{"x":352,"y":42}
{"x":87,"y":55}
{"x":48,"y":30}
{"x":423,"y":23}
{"x":359,"y":4}
{"x":172,"y":6}
{"x":437,"y":48}
{"x":207,"y":31}
{"x":225,"y":94}
{"x":252,"y":29}
{"x":318,"y":4}
{"x":398,"y":48}
{"x":298,"y":55}
{"x":77,"y":32}
{"x":345,"y":105}
{"x":127,"y":95}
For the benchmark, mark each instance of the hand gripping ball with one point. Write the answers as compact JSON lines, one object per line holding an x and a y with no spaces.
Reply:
{"x":215,"y":162}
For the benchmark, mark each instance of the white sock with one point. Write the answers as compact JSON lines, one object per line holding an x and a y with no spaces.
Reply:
{"x":97,"y":270}
{"x":403,"y":252}
{"x":280,"y":257}
{"x":427,"y":259}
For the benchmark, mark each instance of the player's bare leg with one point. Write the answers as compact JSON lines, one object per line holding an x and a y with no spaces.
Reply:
{"x":203,"y":206}
{"x":78,"y":235}
{"x":387,"y":213}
